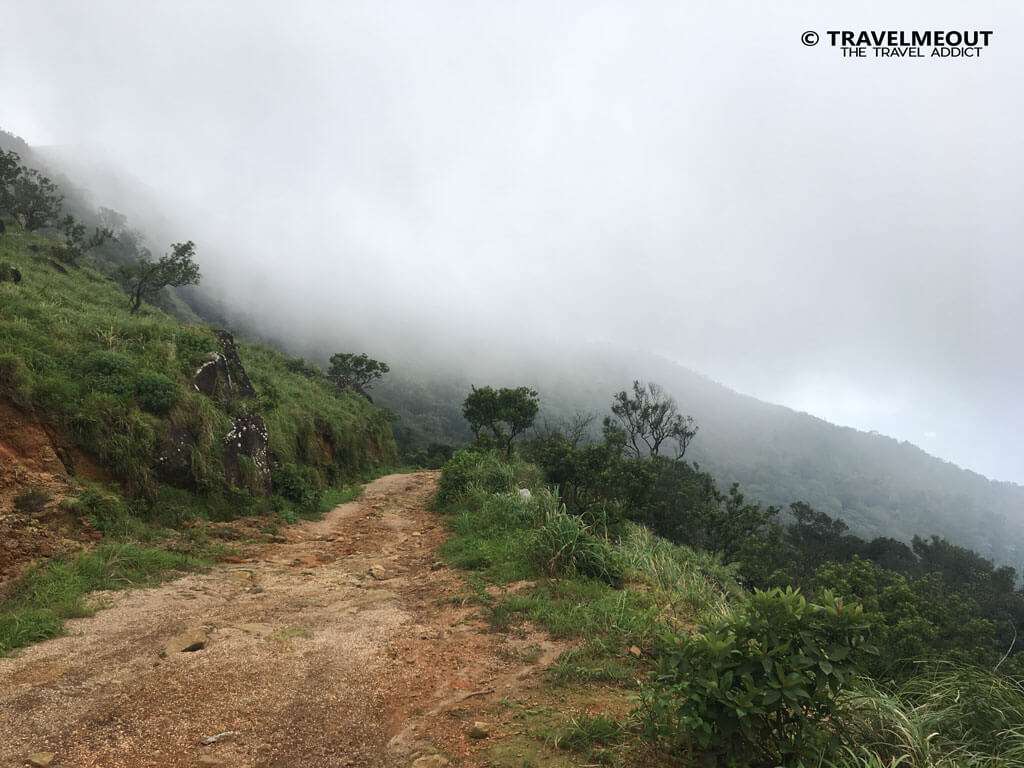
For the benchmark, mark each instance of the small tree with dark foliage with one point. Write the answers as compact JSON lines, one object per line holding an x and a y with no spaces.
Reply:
{"x":10,"y":172}
{"x":500,"y":414}
{"x":355,"y":372}
{"x":77,"y":243}
{"x":647,"y":418}
{"x":146,"y":278}
{"x":35,"y":199}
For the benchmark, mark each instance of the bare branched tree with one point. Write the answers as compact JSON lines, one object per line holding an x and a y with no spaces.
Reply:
{"x":648,"y":418}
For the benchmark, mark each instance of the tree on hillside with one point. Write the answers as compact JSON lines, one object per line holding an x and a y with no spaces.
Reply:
{"x":646,"y":419}
{"x":35,"y":200}
{"x":144,"y":279}
{"x":356,"y":372}
{"x":500,"y":414}
{"x":10,"y":171}
{"x":76,"y":244}
{"x":26,"y":194}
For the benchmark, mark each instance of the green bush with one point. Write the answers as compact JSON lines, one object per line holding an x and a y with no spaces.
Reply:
{"x":193,"y":347}
{"x":564,"y":544}
{"x":106,"y":512}
{"x":110,"y":372}
{"x":484,"y":469}
{"x":156,"y":393}
{"x":298,"y":485}
{"x":759,"y":686}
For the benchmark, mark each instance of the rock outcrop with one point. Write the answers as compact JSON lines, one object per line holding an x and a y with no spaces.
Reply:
{"x":223,"y":377}
{"x":174,"y":459}
{"x":247,"y":455}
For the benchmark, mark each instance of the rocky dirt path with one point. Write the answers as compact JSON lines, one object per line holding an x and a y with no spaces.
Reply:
{"x":344,"y":645}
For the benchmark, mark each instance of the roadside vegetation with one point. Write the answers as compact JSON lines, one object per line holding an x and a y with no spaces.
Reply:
{"x":161,"y":422}
{"x":744,"y":638}
{"x":38,"y":604}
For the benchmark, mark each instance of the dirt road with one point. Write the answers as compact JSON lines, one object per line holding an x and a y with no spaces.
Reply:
{"x":344,"y":645}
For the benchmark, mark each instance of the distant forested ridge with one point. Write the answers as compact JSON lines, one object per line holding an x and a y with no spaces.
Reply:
{"x":879,"y":486}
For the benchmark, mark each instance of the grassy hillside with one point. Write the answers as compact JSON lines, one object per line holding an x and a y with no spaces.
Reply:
{"x":118,"y":388}
{"x":716,"y":674}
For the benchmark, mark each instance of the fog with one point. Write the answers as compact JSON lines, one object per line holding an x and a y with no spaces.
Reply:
{"x":454,"y":179}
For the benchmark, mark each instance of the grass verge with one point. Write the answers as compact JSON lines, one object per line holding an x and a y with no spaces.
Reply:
{"x":41,"y":600}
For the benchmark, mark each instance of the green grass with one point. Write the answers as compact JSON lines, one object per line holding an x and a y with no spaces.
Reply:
{"x":501,"y":538}
{"x":118,"y":385}
{"x":589,"y":735}
{"x":41,"y":600}
{"x":948,"y":716}
{"x":334,"y":497}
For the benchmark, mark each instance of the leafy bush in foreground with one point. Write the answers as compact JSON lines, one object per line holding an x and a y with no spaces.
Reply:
{"x":759,"y":686}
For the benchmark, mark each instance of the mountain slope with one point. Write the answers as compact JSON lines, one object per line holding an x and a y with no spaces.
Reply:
{"x":175,"y":417}
{"x":877,"y":485}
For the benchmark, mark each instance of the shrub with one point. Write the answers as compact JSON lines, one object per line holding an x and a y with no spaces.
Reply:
{"x":15,"y":380}
{"x":298,"y":485}
{"x":31,"y":501}
{"x":484,"y":469}
{"x":564,"y":544}
{"x":110,"y":372}
{"x":759,"y":686}
{"x":193,"y":347}
{"x":122,"y":437}
{"x":156,"y":393}
{"x":106,"y":512}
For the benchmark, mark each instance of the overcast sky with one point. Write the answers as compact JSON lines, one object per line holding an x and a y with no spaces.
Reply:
{"x":840,"y":236}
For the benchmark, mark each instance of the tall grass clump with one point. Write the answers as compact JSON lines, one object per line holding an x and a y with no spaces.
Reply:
{"x":563,"y":544}
{"x":948,"y":715}
{"x":483,"y":470}
{"x":695,"y":583}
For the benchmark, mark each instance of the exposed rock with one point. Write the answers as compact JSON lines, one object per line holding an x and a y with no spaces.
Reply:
{"x":191,"y":640}
{"x":379,"y":572}
{"x":9,"y":274}
{"x":430,"y":761}
{"x":217,"y":737}
{"x":223,"y":377}
{"x":524,"y":493}
{"x":213,"y":378}
{"x":479,"y":730}
{"x":635,"y":651}
{"x":41,"y":759}
{"x":174,"y":457}
{"x":248,"y":438}
{"x":238,"y":378}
